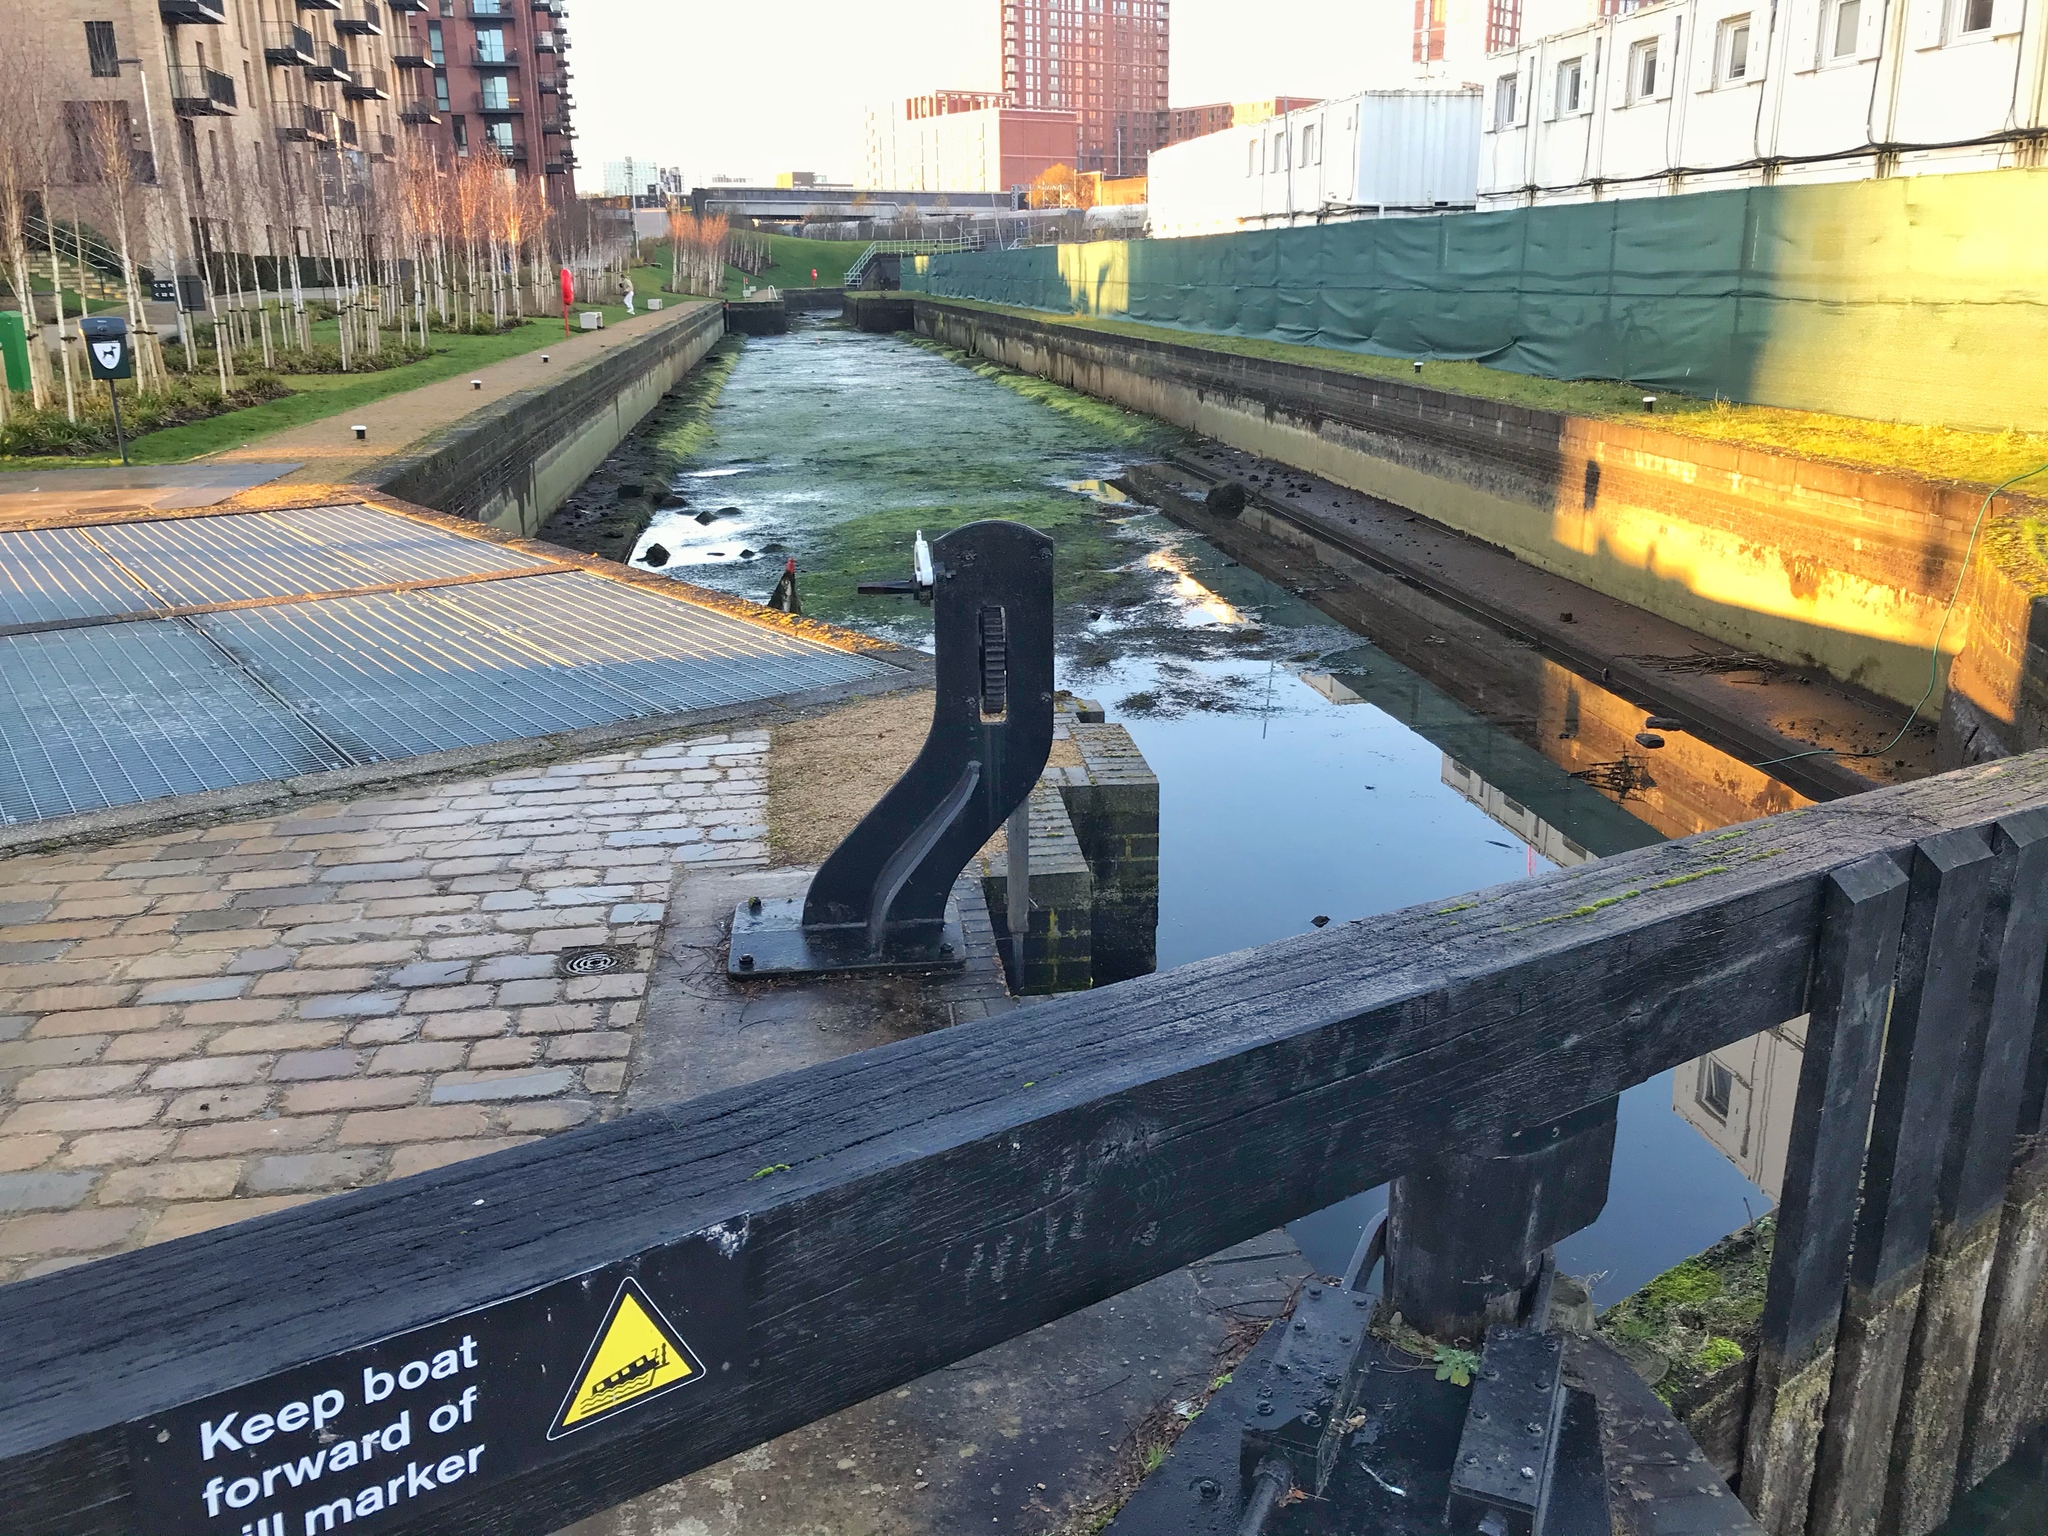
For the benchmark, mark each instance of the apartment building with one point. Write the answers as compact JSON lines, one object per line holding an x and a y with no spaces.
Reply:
{"x":244,"y":116}
{"x":1694,"y":95}
{"x":496,"y":73}
{"x":964,"y":141}
{"x":1104,"y":62}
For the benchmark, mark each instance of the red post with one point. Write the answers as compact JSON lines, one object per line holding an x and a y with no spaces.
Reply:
{"x":568,"y":298}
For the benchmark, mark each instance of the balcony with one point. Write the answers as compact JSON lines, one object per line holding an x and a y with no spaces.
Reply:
{"x":496,"y":104}
{"x":554,"y":125}
{"x":197,"y":92}
{"x":286,"y":44}
{"x":368,"y":85}
{"x":418,"y":112}
{"x":544,"y":42}
{"x":549,"y":85}
{"x":488,"y":10}
{"x":513,"y":153}
{"x":405,"y":54}
{"x":319,"y":5}
{"x":331,"y":63}
{"x":307,"y":125}
{"x":498,"y":58}
{"x":556,"y":168}
{"x":387,"y":148}
{"x":414,"y":7}
{"x":185,"y":13}
{"x":359,"y":18}
{"x":351,"y":137}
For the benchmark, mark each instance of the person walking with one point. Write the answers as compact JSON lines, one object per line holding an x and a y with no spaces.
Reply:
{"x":629,"y":296}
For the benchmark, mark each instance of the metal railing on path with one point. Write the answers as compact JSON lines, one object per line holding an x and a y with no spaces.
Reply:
{"x":861,"y":263}
{"x":510,"y":1344}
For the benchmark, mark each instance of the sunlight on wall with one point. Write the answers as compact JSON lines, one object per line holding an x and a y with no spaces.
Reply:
{"x":1098,"y":276}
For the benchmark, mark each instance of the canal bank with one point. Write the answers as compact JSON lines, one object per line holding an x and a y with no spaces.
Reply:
{"x":1813,"y":564}
{"x":510,"y":464}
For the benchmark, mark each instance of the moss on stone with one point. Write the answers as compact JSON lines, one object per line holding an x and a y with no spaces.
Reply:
{"x":1699,"y":1318}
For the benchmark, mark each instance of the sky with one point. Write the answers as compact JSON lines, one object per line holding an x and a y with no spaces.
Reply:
{"x":739,"y":90}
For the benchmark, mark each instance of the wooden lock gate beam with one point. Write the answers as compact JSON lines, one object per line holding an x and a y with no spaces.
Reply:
{"x":509,"y":1344}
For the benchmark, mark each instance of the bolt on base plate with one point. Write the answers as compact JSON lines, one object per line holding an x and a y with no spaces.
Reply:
{"x":769,"y":939}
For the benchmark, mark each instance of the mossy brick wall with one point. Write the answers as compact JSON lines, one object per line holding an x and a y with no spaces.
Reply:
{"x":1058,"y":945}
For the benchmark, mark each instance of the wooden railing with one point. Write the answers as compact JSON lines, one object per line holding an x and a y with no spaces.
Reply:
{"x":513,"y":1343}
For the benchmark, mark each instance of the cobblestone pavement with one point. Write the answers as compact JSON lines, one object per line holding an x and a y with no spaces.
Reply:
{"x":209,"y":1024}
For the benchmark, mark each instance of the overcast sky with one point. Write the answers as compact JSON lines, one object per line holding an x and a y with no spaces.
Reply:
{"x":744,"y":90}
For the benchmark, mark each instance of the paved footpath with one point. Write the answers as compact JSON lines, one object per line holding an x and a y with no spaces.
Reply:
{"x":327,"y":451}
{"x":204,"y":1025}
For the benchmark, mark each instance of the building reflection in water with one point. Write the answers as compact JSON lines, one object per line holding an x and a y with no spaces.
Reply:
{"x":1610,"y":796}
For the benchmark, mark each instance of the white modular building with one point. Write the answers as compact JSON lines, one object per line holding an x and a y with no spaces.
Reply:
{"x":1695,"y":95}
{"x":1377,"y":154}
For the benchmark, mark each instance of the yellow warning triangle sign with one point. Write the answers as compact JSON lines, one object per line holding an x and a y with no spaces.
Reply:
{"x":636,"y":1355}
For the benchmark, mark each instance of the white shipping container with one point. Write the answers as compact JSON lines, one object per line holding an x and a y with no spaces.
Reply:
{"x":1377,"y":154}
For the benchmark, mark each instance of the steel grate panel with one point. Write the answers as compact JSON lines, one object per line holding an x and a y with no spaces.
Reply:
{"x":117,"y":713}
{"x":394,"y":676}
{"x":671,"y":655}
{"x":228,"y":559}
{"x":399,"y":549}
{"x":53,"y":574}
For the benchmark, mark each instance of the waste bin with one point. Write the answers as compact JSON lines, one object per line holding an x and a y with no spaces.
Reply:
{"x":14,"y":348}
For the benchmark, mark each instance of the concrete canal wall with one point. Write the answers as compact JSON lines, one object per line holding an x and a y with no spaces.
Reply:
{"x":1815,"y":564}
{"x":513,"y":462}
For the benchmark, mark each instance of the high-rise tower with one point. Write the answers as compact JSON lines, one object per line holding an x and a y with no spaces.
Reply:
{"x":1104,"y":60}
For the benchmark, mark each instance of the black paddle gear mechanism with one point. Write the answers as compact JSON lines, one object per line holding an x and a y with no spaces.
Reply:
{"x":880,"y":902}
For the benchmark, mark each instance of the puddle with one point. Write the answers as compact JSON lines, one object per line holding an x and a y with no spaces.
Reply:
{"x":1304,"y":773}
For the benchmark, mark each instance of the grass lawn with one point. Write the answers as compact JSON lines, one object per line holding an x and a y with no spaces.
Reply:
{"x":315,"y":396}
{"x":791,"y":258}
{"x":1938,"y":453}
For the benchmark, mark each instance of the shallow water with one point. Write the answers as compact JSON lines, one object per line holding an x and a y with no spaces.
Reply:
{"x":1303,"y":772}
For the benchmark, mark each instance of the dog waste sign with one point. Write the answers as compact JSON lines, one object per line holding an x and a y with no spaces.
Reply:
{"x":380,"y":1437}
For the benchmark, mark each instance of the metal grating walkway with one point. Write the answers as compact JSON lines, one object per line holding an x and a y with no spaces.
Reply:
{"x":107,"y":703}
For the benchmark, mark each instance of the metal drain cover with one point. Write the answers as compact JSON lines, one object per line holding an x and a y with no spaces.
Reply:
{"x":593,"y":962}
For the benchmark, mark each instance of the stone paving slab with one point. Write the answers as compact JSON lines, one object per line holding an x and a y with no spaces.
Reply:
{"x":212,"y":1023}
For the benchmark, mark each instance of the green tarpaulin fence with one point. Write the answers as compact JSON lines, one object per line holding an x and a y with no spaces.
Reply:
{"x":1918,"y":299}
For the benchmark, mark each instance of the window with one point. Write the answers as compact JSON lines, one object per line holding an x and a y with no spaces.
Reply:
{"x":1505,"y":90}
{"x":1972,"y":16}
{"x":1570,"y":76}
{"x":1503,"y":25}
{"x":461,"y":132}
{"x":100,"y":49}
{"x":1279,"y":152}
{"x":1716,"y":1090}
{"x":440,"y":90}
{"x":434,"y":45}
{"x":1311,"y":151}
{"x":1251,"y":159}
{"x":1734,"y":50}
{"x":1642,"y":70}
{"x":93,"y":130}
{"x":1842,"y":29}
{"x":496,"y":95}
{"x":500,"y":134}
{"x":490,"y":45}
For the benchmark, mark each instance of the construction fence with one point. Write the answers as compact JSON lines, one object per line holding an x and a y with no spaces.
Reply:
{"x":1918,"y":299}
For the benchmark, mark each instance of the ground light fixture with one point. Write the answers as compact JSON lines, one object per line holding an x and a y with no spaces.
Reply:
{"x":361,"y":431}
{"x":1650,"y":403}
{"x":476,"y":383}
{"x":1418,"y":365}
